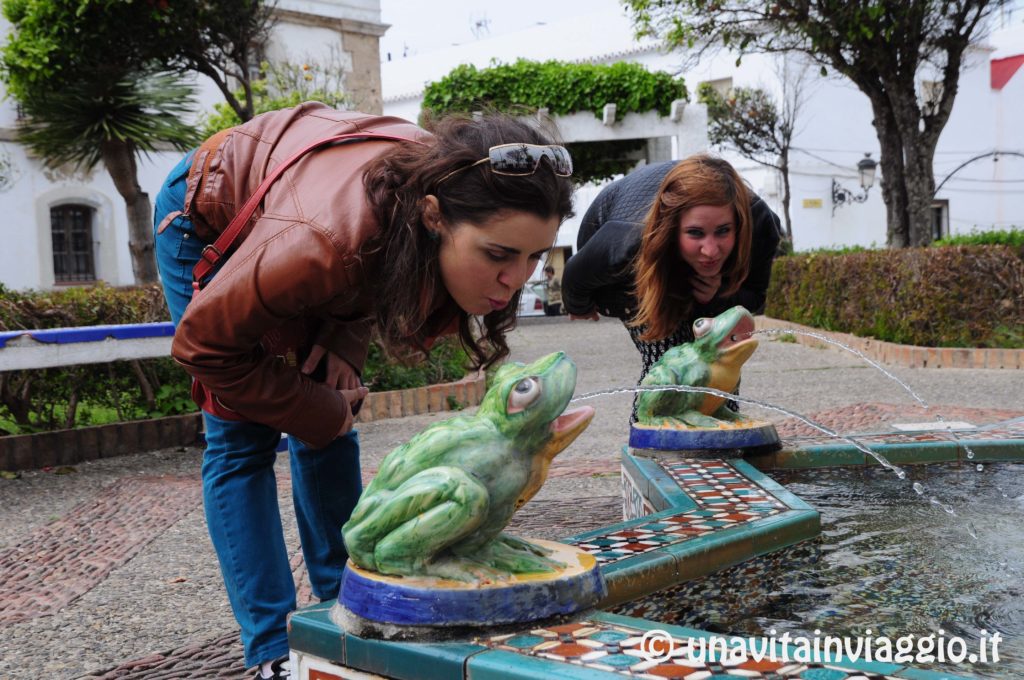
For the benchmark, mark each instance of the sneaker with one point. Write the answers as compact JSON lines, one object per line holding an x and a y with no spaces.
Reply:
{"x":280,"y":668}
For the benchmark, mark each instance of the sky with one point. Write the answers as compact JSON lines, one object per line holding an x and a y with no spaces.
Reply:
{"x":418,"y":27}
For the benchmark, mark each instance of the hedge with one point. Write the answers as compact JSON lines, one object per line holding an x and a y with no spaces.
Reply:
{"x":956,"y":296}
{"x":95,"y":394}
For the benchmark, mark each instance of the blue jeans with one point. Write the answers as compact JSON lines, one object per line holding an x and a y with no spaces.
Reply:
{"x":239,"y":486}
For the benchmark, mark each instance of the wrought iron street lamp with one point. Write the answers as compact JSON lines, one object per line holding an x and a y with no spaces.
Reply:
{"x":841,"y":195}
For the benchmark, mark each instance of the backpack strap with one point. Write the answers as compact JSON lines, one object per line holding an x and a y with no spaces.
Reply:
{"x":213,"y":253}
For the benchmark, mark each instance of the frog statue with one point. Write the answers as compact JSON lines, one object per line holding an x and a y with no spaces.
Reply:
{"x":720,"y":347}
{"x":439,"y":502}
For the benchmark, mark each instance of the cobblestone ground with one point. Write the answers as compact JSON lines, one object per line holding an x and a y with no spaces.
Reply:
{"x":106,"y":570}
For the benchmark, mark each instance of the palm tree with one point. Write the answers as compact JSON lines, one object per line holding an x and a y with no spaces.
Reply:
{"x":112,"y":117}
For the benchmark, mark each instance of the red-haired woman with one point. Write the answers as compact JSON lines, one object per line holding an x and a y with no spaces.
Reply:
{"x":669,"y":244}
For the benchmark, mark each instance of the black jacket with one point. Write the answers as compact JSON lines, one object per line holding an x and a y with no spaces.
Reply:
{"x":600,"y":275}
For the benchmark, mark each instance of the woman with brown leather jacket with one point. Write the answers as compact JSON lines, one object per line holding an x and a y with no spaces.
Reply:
{"x":386,"y":228}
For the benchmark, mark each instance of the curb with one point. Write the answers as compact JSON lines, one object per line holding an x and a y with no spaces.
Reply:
{"x":910,"y":356}
{"x":67,"y":447}
{"x":419,"y":400}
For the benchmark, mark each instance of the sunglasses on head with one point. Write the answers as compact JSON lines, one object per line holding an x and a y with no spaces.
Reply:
{"x":522,"y":160}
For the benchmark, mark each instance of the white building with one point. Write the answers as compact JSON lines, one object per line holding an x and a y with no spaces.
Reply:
{"x":82,"y":216}
{"x":834,"y":129}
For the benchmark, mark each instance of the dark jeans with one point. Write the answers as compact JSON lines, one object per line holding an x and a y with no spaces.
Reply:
{"x":240,"y":487}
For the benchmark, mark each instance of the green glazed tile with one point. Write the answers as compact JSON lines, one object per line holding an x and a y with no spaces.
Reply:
{"x":311,"y":630}
{"x":712,"y":552}
{"x":637,"y":576}
{"x":819,"y":456}
{"x":992,"y":450}
{"x":503,"y":665}
{"x":409,"y":660}
{"x":911,"y":453}
{"x":786,"y":529}
{"x":662,"y":487}
{"x":762,"y":461}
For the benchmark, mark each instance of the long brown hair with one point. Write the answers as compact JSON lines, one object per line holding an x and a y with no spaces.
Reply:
{"x":663,"y":291}
{"x":409,"y":274}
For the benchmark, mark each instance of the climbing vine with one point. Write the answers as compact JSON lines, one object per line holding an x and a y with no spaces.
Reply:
{"x":562,"y":88}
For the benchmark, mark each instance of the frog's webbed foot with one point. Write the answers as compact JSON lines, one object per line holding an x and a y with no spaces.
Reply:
{"x":686,"y":421}
{"x":517,"y":543}
{"x":463,"y":569}
{"x":514,"y":555}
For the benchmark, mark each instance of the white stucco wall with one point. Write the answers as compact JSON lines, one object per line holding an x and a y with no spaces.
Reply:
{"x":834,"y":130}
{"x":28,"y":190}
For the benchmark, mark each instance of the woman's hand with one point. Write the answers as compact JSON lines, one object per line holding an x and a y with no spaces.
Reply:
{"x":705,"y":287}
{"x":340,"y":374}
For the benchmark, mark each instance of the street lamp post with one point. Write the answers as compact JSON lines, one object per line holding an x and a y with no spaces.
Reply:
{"x":866,"y":170}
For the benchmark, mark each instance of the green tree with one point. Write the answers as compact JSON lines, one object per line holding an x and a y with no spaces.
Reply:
{"x":223,"y":40}
{"x":885,"y":47}
{"x":103,"y":80}
{"x":90,"y":87}
{"x":750,"y":121}
{"x":562,"y":88}
{"x":286,"y":84}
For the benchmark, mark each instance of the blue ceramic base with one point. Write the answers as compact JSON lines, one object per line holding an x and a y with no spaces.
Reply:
{"x":428,"y":601}
{"x":749,"y":434}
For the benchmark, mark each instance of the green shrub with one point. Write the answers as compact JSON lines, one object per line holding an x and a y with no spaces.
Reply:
{"x":1012,"y":237}
{"x":562,"y":88}
{"x":95,"y":394}
{"x":957,"y":296}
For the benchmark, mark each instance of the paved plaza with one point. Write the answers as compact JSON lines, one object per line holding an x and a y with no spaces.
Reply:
{"x":106,"y":569}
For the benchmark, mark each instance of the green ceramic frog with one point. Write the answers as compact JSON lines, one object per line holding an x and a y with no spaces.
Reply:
{"x":713,"y":359}
{"x":439,"y":502}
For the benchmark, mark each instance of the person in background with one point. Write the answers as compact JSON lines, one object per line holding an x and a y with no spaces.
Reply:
{"x":408,"y":234}
{"x":668,"y":244}
{"x":552,"y":292}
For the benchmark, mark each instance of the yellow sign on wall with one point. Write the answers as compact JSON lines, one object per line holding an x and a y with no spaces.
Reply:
{"x":812,"y":202}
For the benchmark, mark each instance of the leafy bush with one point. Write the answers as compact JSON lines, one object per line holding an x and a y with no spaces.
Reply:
{"x":957,"y":296}
{"x":1012,"y":237}
{"x":95,"y":394}
{"x":283,"y":85}
{"x":562,"y":88}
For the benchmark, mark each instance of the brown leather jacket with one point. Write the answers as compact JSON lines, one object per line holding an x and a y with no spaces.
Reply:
{"x":301,"y":257}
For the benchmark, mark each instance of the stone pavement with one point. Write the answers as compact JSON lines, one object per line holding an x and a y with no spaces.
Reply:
{"x":106,"y":570}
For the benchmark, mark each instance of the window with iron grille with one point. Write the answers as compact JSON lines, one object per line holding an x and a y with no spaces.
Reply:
{"x":71,"y":231}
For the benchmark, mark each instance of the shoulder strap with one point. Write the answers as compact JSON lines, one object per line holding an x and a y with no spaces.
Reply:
{"x":215,"y":252}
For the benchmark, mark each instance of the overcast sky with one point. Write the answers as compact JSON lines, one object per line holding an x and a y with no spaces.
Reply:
{"x":418,"y":26}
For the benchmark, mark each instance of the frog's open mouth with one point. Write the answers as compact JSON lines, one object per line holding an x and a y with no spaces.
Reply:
{"x":741,"y":333}
{"x":572,"y":421}
{"x":565,"y":428}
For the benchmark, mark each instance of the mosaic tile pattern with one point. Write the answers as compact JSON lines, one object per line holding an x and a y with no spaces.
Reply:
{"x":726,"y":595}
{"x":1003,"y":431}
{"x":724,"y":497}
{"x":597,"y":645}
{"x":634,"y":504}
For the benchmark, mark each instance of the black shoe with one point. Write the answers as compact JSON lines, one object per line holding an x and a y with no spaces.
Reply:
{"x":281,"y":668}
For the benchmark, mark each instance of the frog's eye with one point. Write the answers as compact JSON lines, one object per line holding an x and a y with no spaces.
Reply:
{"x":523,"y":394}
{"x":702,"y":326}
